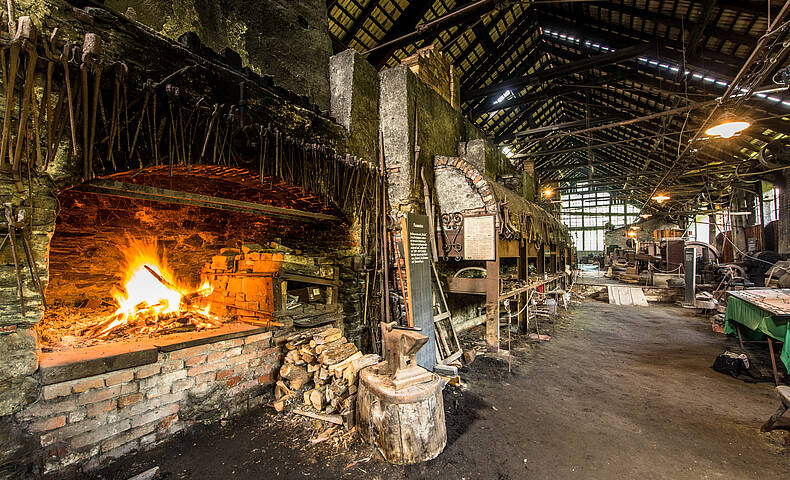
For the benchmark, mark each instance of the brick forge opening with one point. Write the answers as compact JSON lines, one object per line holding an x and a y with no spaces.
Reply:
{"x":191,"y":227}
{"x":103,"y":397}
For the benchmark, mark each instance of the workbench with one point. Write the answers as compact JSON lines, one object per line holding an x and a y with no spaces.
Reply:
{"x":765,"y":313}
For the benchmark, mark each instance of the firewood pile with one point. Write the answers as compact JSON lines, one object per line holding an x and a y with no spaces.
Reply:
{"x":319,"y":375}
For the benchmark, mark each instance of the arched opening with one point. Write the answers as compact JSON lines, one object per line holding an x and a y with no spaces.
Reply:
{"x":237,"y":246}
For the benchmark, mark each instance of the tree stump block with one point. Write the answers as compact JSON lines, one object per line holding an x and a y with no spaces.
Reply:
{"x":407,"y":426}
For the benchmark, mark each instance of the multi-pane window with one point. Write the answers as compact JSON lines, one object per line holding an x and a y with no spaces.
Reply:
{"x":587,"y":215}
{"x":770,"y":205}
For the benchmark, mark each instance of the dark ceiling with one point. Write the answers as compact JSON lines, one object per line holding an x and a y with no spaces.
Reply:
{"x":614,"y":94}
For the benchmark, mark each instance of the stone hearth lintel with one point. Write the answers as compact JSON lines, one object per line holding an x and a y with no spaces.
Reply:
{"x":56,"y":367}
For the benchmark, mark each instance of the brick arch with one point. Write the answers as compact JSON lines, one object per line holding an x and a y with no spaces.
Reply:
{"x":474,"y":177}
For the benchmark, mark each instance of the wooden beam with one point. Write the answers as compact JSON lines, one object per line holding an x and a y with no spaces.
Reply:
{"x":407,"y":28}
{"x":143,"y":192}
{"x":651,"y":15}
{"x":562,"y":21}
{"x":595,"y":61}
{"x":545,"y":94}
{"x":492,"y":303}
{"x":506,"y":46}
{"x":351,"y":33}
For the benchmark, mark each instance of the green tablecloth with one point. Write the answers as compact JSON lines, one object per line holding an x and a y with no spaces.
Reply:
{"x":759,"y":323}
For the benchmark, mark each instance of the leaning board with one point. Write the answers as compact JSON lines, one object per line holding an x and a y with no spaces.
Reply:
{"x":619,"y":295}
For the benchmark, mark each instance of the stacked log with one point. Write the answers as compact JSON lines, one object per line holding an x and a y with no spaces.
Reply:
{"x":320,"y":373}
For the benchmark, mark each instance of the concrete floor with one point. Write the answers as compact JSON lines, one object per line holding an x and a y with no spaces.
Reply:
{"x":623,"y":393}
{"x":619,"y":393}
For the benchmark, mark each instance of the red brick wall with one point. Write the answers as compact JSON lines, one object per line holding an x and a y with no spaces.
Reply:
{"x":83,"y":423}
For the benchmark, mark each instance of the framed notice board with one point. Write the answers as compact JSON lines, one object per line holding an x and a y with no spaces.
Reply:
{"x":480,"y":238}
{"x":417,"y":254}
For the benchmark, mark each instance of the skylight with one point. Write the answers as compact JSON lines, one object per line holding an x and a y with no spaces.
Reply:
{"x":507,"y":94}
{"x":655,"y":63}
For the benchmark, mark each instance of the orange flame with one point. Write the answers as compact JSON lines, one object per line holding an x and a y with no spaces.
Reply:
{"x":147,"y":297}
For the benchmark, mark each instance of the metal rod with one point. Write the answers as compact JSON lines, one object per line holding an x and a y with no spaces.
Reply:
{"x":384,"y":238}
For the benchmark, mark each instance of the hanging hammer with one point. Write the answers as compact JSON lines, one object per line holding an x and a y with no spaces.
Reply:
{"x":26,"y":37}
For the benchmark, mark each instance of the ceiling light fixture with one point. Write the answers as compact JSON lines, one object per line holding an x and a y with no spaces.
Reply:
{"x":547,"y":192}
{"x":645,"y":215}
{"x":727,"y":126}
{"x":661,"y":198}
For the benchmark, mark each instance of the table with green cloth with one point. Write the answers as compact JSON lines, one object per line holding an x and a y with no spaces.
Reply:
{"x":759,"y":320}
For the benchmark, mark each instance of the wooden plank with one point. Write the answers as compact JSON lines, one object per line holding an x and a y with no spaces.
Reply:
{"x":620,"y":295}
{"x":492,"y":305}
{"x":143,"y":192}
{"x":336,"y":419}
{"x":638,"y":297}
{"x":308,"y":279}
{"x":469,"y":286}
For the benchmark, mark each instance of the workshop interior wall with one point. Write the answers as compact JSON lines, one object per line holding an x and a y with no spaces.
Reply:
{"x":644,"y":234}
{"x":265,"y":33}
{"x":287,"y":27}
{"x":440,"y":128}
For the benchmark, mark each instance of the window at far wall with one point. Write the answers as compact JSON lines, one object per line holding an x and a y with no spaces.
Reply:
{"x":770,"y":205}
{"x":587,"y":215}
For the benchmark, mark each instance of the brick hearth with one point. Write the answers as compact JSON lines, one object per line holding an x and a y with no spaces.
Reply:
{"x":158,"y":391}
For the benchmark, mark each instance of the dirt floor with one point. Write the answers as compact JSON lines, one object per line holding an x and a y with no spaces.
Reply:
{"x":618,"y":393}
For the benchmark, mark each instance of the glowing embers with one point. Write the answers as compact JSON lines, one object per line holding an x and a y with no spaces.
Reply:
{"x":151,"y":302}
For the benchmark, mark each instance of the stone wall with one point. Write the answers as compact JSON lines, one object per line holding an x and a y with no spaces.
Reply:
{"x":82,"y":423}
{"x":355,"y":102}
{"x":434,"y":70}
{"x":440,"y":128}
{"x":287,"y":40}
{"x":488,"y":158}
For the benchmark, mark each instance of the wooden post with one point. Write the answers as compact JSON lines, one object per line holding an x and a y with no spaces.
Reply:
{"x":492,"y":303}
{"x":522,"y":275}
{"x":541,"y":260}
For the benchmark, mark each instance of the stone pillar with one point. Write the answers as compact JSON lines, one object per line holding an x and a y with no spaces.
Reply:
{"x":354,"y":100}
{"x":19,"y":349}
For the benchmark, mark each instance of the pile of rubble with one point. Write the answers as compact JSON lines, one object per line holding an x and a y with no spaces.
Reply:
{"x":320,"y":373}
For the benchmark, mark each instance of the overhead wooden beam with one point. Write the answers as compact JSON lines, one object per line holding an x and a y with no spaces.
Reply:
{"x":506,"y":45}
{"x":698,"y":34}
{"x":629,"y":121}
{"x":581,"y":27}
{"x":407,"y":28}
{"x":667,"y":20}
{"x":359,"y":22}
{"x":595,"y":61}
{"x":143,"y":192}
{"x":590,"y":147}
{"x":548,"y":93}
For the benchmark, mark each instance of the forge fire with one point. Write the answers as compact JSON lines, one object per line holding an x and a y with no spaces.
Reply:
{"x":151,"y":301}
